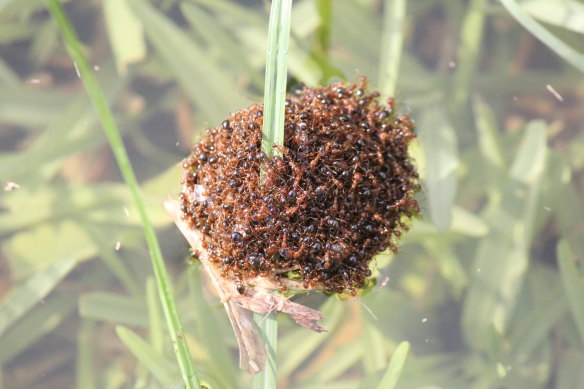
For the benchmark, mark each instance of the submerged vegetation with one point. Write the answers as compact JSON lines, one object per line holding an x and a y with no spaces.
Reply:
{"x":487,"y":287}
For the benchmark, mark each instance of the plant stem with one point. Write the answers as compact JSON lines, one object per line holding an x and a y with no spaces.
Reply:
{"x":268,"y":326}
{"x":273,"y":134}
{"x":113,"y":134}
{"x":391,"y":45}
{"x":276,"y":76}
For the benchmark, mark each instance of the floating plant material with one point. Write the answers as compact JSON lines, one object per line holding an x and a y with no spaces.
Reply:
{"x":313,"y":218}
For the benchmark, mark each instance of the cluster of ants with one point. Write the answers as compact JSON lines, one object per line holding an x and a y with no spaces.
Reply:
{"x":340,"y":192}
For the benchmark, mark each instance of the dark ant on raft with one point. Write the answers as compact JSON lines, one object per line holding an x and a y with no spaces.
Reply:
{"x":340,"y":193}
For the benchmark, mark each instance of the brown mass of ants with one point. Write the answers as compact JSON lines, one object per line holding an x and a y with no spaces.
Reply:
{"x":338,"y":195}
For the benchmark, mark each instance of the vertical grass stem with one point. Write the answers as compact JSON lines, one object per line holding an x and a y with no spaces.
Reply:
{"x":391,"y":45}
{"x":113,"y":135}
{"x":276,"y":76}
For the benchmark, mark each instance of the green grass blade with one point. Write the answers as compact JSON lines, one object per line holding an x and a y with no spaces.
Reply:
{"x":190,"y":64}
{"x":441,"y":154}
{"x":156,"y":327}
{"x":126,"y":33}
{"x":216,"y":36}
{"x":396,"y":364}
{"x":111,"y":129}
{"x":155,"y":362}
{"x":502,"y":257}
{"x":35,"y":325}
{"x":300,"y":344}
{"x":471,"y":35}
{"x":276,"y":76}
{"x":268,"y":326}
{"x":31,"y":291}
{"x":85,"y":372}
{"x":113,"y":308}
{"x":573,"y":285}
{"x":568,"y":14}
{"x":391,"y":45}
{"x":555,"y":44}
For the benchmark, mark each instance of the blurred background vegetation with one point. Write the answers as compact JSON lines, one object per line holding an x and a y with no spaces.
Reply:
{"x":487,"y":286}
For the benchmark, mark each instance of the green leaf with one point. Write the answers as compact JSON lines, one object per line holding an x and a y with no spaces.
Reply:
{"x":501,"y":258}
{"x":300,"y":344}
{"x":110,"y":307}
{"x":530,"y":157}
{"x":569,"y":55}
{"x":568,"y":14}
{"x":190,"y":64}
{"x":156,"y":363}
{"x":398,"y":359}
{"x":232,"y":52}
{"x":31,"y":107}
{"x":35,"y":325}
{"x":490,"y":143}
{"x":471,"y":36}
{"x":71,"y":132}
{"x":374,"y":346}
{"x":23,"y":297}
{"x":534,"y":329}
{"x":572,"y":281}
{"x":210,"y":331}
{"x":340,"y":363}
{"x":85,"y":371}
{"x":126,"y":33}
{"x":34,"y":249}
{"x":441,"y":155}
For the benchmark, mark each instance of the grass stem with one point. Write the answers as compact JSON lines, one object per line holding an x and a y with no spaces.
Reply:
{"x":273,"y":134}
{"x":113,"y":135}
{"x":276,"y":76}
{"x":268,"y":326}
{"x":391,"y":45}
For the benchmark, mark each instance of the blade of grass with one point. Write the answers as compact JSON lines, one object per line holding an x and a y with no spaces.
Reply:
{"x":502,"y":258}
{"x":111,"y":129}
{"x":113,"y":308}
{"x":276,"y":76}
{"x":440,"y":144}
{"x":85,"y":373}
{"x":209,"y":331}
{"x":126,"y":33}
{"x":156,"y":328}
{"x":268,"y":326}
{"x":394,"y":369}
{"x":573,"y":285}
{"x":273,"y":134}
{"x":391,"y":45}
{"x":555,"y":44}
{"x":155,"y":362}
{"x":320,"y":51}
{"x":24,"y":296}
{"x":471,"y":35}
{"x":35,"y":325}
{"x":568,"y":14}
{"x":216,"y":36}
{"x":190,"y":64}
{"x":299,"y":345}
